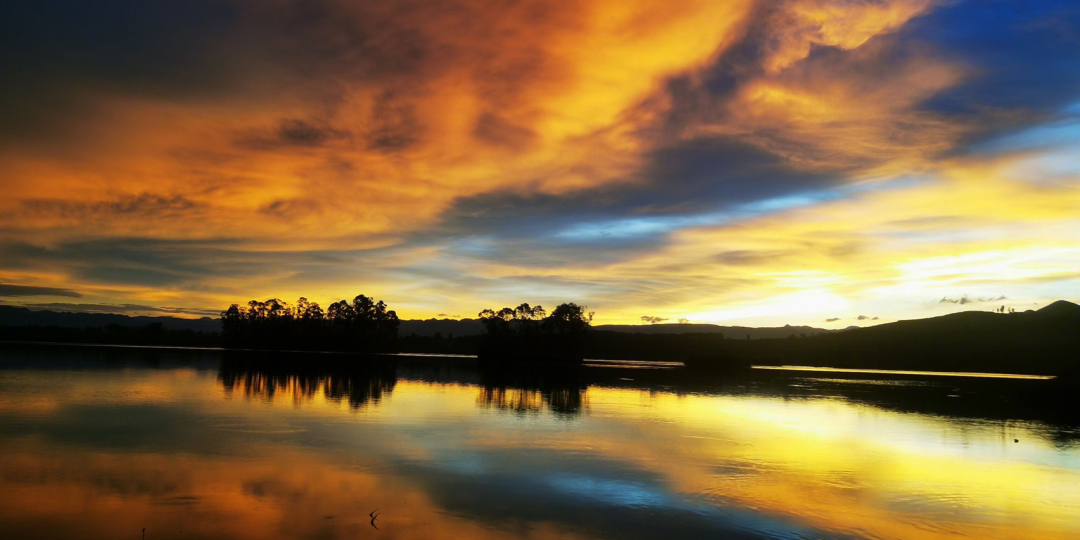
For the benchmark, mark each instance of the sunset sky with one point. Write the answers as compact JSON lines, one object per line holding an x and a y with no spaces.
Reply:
{"x":734,"y":162}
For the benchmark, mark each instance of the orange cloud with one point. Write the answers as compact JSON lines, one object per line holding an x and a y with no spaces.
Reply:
{"x":798,"y":26}
{"x":470,"y":98}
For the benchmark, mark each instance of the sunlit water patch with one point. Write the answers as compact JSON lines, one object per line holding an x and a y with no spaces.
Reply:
{"x":901,"y":372}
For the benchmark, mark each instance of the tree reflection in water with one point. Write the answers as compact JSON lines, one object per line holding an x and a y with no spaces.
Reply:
{"x":532,"y":388}
{"x":302,"y":378}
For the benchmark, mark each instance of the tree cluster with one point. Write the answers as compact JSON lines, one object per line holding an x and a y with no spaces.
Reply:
{"x":530,"y":333}
{"x":365,"y":325}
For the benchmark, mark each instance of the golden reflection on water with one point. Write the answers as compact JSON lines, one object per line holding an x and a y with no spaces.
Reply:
{"x":102,"y":454}
{"x":848,"y":468}
{"x":977,"y":374}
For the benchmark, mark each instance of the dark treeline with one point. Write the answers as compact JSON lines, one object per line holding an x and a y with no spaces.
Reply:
{"x":365,"y":325}
{"x":528,"y":333}
{"x":151,"y":334}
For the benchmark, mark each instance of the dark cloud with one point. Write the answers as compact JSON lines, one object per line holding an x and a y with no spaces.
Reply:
{"x":497,"y":131}
{"x":834,"y":319}
{"x":58,"y":49}
{"x":292,"y":133}
{"x":190,"y":311}
{"x":302,"y":133}
{"x":394,"y":124}
{"x":193,"y":265}
{"x":748,"y":257}
{"x":703,"y":182}
{"x":689,"y":178}
{"x":712,"y":100}
{"x":364,"y":41}
{"x":927,"y":222}
{"x":66,"y":55}
{"x":112,"y":308}
{"x":125,"y":41}
{"x":697,"y":97}
{"x":133,"y":261}
{"x":291,"y":209}
{"x":26,"y":290}
{"x":998,"y":69}
{"x":707,"y":172}
{"x":146,"y":204}
{"x":965,"y":300}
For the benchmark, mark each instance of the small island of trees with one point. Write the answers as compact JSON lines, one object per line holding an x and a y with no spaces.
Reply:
{"x":528,"y":333}
{"x":365,"y":325}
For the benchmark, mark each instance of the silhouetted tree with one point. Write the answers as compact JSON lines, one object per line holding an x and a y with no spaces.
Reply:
{"x":364,"y":325}
{"x":529,"y":333}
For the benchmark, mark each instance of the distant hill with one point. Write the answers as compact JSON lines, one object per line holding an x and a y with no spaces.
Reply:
{"x":1046,"y":341}
{"x":730,"y":332}
{"x":18,"y":316}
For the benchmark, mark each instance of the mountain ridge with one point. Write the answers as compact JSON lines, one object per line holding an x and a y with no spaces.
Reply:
{"x":1045,"y":341}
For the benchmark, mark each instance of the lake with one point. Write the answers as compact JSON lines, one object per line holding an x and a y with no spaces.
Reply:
{"x":102,"y":443}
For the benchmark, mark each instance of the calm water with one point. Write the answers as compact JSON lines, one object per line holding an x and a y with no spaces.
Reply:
{"x":100,"y":443}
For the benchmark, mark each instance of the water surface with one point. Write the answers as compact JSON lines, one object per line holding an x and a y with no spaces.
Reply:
{"x":101,"y":443}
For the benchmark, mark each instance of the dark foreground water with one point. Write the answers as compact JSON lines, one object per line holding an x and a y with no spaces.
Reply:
{"x":102,"y":443}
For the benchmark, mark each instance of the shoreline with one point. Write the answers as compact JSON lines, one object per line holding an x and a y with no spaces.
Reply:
{"x":587,"y":362}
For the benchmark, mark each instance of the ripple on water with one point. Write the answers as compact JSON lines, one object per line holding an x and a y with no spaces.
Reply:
{"x":271,"y":429}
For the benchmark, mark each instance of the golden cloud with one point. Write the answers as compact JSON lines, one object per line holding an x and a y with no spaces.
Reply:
{"x":970,"y":225}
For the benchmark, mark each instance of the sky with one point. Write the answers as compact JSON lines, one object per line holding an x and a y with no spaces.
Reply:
{"x":820,"y":162}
